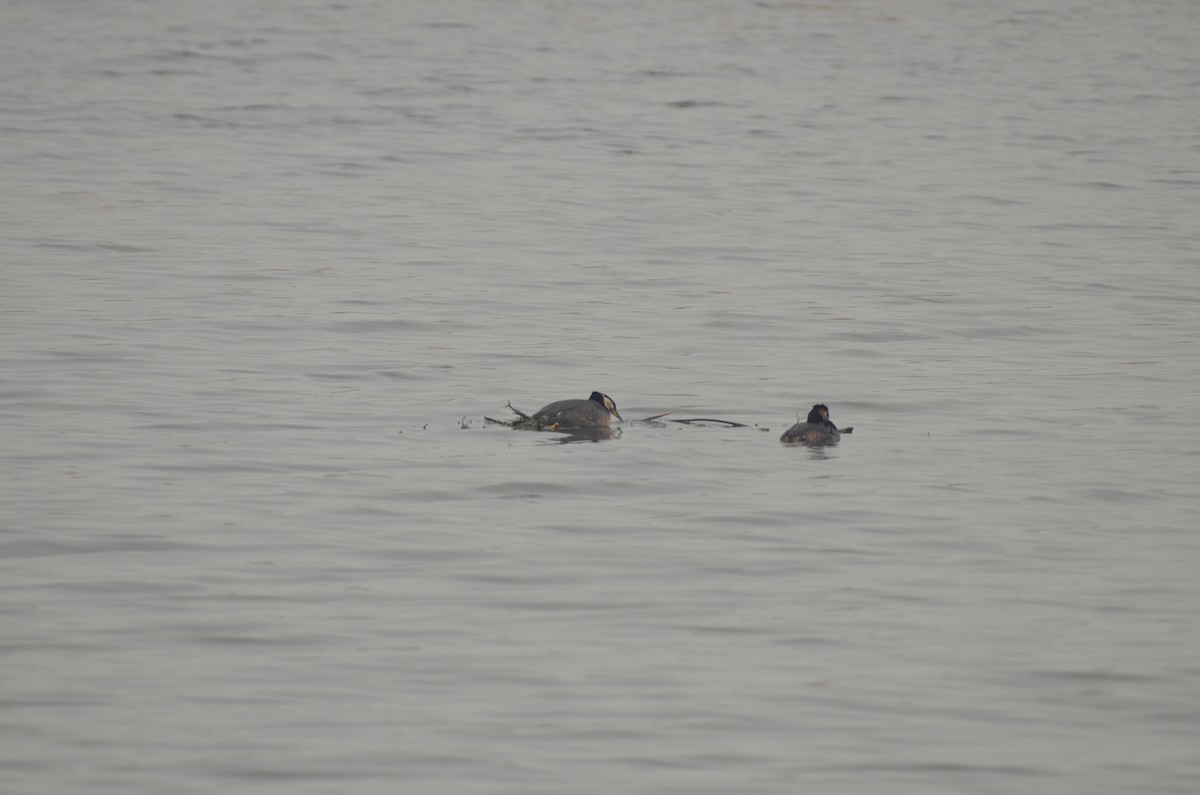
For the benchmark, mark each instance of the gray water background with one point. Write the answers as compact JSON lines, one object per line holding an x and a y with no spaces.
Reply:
{"x":266,"y":266}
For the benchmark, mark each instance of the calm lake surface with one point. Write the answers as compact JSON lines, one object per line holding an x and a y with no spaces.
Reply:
{"x":267,"y":266}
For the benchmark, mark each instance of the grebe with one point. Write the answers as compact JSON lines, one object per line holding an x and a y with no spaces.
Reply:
{"x":816,"y":431}
{"x":595,"y":412}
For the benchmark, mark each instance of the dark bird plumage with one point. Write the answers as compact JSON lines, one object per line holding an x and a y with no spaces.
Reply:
{"x":816,"y":431}
{"x":595,"y":412}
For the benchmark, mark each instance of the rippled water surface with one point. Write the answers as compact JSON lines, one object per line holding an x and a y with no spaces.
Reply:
{"x":267,"y":267}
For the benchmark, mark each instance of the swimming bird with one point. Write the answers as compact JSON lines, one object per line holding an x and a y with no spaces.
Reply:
{"x":595,"y":412}
{"x":816,"y":431}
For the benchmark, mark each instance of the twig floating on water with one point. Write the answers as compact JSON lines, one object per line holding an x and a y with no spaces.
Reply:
{"x":703,"y":419}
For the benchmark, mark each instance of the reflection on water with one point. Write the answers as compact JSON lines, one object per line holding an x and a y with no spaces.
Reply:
{"x":570,"y":435}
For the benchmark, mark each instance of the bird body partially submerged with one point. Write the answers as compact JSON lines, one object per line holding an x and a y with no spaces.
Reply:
{"x":816,"y":431}
{"x":595,"y":412}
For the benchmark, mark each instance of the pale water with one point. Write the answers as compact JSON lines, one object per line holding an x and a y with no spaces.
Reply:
{"x":266,"y":266}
